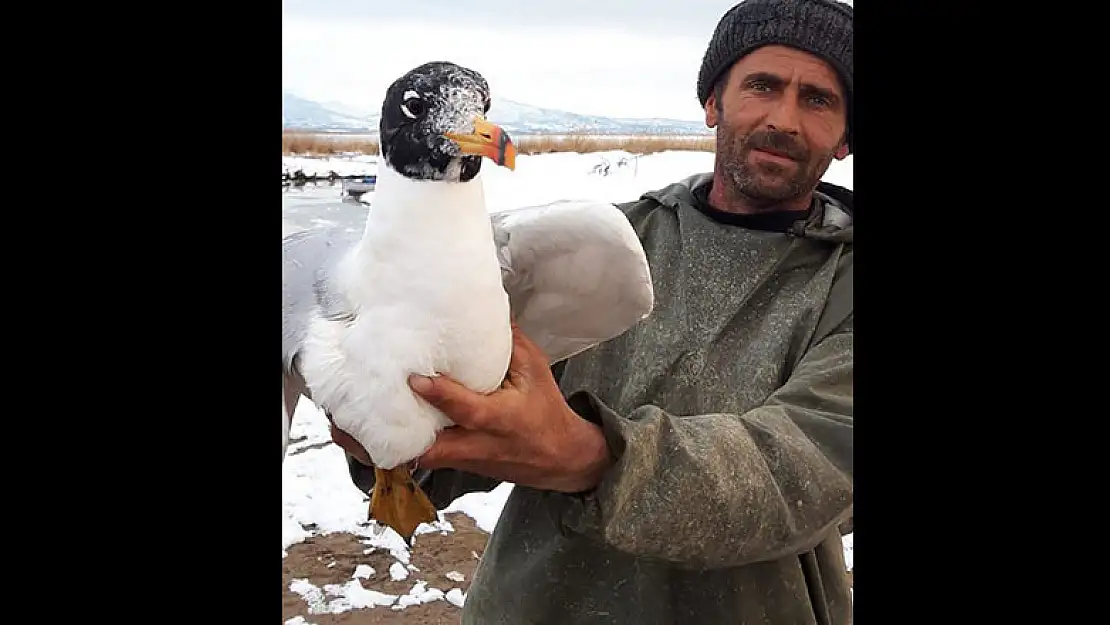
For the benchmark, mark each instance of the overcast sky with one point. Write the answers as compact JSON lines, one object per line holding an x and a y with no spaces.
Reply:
{"x":622,"y":58}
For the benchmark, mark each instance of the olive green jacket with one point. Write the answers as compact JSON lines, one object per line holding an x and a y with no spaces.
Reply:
{"x":729,"y":415}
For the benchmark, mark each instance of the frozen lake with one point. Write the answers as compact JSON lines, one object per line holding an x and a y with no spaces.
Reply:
{"x":320,"y":205}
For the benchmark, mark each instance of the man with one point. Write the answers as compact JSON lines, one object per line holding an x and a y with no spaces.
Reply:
{"x":700,"y":468}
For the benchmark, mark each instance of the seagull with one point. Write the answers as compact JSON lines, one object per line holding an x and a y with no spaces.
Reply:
{"x":433,"y":282}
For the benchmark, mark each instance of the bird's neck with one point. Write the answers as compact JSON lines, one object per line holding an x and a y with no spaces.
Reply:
{"x":406,"y":214}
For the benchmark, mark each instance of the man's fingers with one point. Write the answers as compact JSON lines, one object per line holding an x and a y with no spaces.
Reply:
{"x":350,"y":445}
{"x":460,"y":404}
{"x":454,"y":445}
{"x":345,"y":440}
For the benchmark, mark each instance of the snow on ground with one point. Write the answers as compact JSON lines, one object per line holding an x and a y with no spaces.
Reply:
{"x":612,"y":176}
{"x":484,"y":508}
{"x":318,"y":496}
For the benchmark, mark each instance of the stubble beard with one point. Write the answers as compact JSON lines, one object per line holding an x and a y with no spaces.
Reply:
{"x":765,"y":186}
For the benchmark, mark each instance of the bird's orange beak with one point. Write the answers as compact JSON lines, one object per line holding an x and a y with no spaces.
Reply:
{"x":487,"y":140}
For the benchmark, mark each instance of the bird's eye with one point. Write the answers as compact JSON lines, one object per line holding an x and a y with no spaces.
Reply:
{"x":413,"y":107}
{"x":485,"y":107}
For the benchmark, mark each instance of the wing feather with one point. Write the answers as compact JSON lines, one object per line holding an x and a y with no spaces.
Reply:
{"x":575,"y":271}
{"x":306,"y":258}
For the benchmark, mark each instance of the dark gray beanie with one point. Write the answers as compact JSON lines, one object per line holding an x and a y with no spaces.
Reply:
{"x":821,"y":27}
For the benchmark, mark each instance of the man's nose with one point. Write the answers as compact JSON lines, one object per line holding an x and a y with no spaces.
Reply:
{"x":784,"y":117}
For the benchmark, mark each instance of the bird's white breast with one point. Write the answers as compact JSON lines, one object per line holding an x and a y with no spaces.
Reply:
{"x":426,"y":286}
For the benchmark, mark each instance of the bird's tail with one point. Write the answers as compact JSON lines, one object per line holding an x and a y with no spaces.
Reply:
{"x":398,"y":502}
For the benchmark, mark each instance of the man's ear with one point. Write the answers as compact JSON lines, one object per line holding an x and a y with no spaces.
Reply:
{"x":711,"y":109}
{"x":842,"y":151}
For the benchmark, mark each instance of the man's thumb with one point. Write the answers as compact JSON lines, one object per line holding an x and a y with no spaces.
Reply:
{"x":424,"y":385}
{"x":460,"y":404}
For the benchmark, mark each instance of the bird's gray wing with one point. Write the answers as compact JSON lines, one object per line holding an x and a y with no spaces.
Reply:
{"x":575,"y":271}
{"x":285,"y":421}
{"x":307,"y":259}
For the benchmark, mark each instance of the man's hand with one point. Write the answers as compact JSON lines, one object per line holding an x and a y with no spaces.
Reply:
{"x":349,"y":444}
{"x":523,"y":433}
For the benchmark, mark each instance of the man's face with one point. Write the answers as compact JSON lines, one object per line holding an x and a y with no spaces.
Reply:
{"x":781,"y":119}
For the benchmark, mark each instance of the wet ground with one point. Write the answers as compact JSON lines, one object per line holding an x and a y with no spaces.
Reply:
{"x":442,"y":561}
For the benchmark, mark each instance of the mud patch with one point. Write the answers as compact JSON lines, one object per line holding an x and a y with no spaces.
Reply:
{"x":334,"y":558}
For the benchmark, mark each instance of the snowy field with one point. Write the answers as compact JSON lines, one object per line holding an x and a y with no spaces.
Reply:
{"x":611,"y":176}
{"x":317,"y":494}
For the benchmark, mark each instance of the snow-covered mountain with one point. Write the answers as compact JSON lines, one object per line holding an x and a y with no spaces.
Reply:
{"x":299,"y":113}
{"x":302,"y":114}
{"x":525,"y":119}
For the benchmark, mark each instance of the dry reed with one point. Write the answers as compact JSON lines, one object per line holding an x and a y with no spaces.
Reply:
{"x":313,"y":144}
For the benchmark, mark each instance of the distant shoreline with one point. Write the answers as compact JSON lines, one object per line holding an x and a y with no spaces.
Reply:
{"x":325,"y":143}
{"x":594,"y":133}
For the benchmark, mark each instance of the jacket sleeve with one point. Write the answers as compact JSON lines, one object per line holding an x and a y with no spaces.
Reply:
{"x":725,"y":490}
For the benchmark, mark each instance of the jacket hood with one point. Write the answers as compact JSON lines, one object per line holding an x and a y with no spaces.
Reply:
{"x":834,"y":222}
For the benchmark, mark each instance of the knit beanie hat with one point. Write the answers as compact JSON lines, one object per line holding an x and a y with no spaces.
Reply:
{"x":821,"y":27}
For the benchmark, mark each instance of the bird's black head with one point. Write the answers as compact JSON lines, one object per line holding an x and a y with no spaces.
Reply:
{"x":433,"y":125}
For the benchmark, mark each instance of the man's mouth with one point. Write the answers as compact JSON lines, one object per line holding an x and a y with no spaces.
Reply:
{"x":775,"y":153}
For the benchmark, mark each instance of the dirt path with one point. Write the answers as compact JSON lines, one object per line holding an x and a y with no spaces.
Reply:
{"x":434,"y":555}
{"x":332,"y":559}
